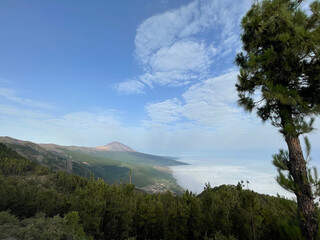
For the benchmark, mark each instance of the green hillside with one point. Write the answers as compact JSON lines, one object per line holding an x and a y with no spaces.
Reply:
{"x":148,"y":172}
{"x":137,"y":158}
{"x":37,"y":154}
{"x":39,"y":203}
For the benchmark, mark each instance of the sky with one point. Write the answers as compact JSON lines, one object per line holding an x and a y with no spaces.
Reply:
{"x":157,"y":76}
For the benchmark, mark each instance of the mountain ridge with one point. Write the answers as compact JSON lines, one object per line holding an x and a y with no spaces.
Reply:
{"x":115,"y":147}
{"x":114,"y":162}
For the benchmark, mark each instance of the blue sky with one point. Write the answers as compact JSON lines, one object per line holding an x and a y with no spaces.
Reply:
{"x":155,"y":75}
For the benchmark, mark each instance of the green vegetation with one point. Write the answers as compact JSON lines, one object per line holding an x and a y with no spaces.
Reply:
{"x":13,"y":163}
{"x":41,"y":227}
{"x":137,"y":158}
{"x":149,"y":173}
{"x":35,"y":153}
{"x":280,"y":78}
{"x":58,"y":205}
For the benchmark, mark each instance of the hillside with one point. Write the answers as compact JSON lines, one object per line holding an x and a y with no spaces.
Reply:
{"x":38,"y":154}
{"x":111,"y":162}
{"x":115,"y":146}
{"x":38,"y":203}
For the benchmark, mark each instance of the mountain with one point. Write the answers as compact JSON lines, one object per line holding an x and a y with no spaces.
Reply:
{"x":114,"y":162}
{"x":38,"y":154}
{"x":115,"y":147}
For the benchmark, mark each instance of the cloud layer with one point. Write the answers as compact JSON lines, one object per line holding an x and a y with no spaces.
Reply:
{"x":209,"y":103}
{"x":172,"y":50}
{"x":217,"y":172}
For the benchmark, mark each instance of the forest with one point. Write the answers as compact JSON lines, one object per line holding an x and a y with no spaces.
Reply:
{"x":40,"y":203}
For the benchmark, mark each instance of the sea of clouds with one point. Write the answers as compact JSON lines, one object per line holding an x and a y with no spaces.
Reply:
{"x":260,"y":174}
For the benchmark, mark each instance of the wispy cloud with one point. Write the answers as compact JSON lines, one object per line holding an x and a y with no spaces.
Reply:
{"x":163,"y":30}
{"x":206,"y":116}
{"x":96,"y":127}
{"x":210,"y":103}
{"x":86,"y":120}
{"x":164,"y":112}
{"x":130,"y":86}
{"x":172,"y":51}
{"x":179,"y":63}
{"x":12,"y":95}
{"x":75,"y":128}
{"x":16,"y":112}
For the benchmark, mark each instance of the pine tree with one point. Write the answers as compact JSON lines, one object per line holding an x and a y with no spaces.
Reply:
{"x":280,"y":79}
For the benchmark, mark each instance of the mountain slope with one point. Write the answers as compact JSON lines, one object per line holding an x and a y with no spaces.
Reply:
{"x":112,"y":162}
{"x":110,"y":153}
{"x":38,"y":154}
{"x":137,"y":158}
{"x":115,"y":146}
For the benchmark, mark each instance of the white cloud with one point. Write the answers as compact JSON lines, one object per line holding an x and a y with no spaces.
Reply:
{"x":173,"y":78}
{"x":181,"y":56}
{"x":162,"y":30}
{"x":207,"y":117}
{"x":89,"y":128}
{"x":198,"y":16}
{"x":13,"y":111}
{"x":220,"y":171}
{"x":11,"y":95}
{"x":170,"y":47}
{"x":86,"y":121}
{"x":177,"y":64}
{"x":211,"y":103}
{"x":164,"y":112}
{"x":130,"y":86}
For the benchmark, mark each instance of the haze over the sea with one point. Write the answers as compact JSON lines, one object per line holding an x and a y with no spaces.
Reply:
{"x":260,"y":173}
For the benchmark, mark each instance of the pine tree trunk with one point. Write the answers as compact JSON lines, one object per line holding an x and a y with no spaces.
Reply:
{"x":306,"y":207}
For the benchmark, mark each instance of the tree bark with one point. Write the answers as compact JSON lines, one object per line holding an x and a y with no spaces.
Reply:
{"x":306,"y":207}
